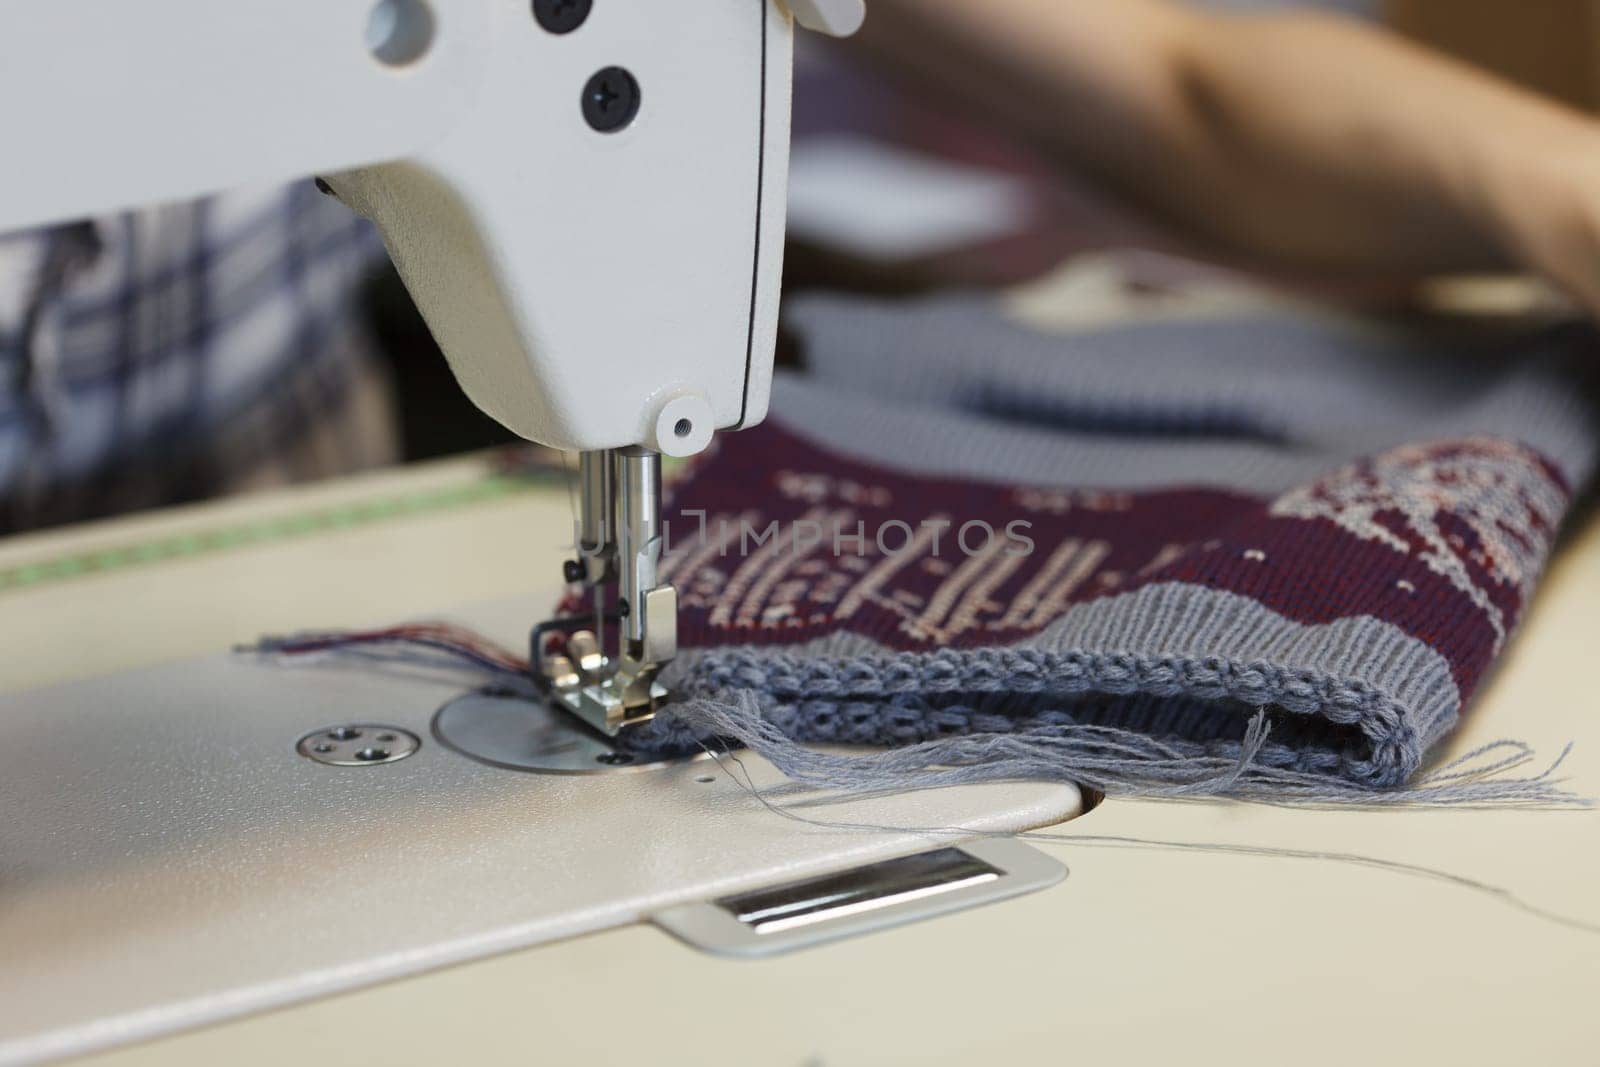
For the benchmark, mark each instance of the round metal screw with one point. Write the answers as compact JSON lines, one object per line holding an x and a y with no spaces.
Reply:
{"x":347,"y":745}
{"x":611,"y":100}
{"x":562,"y":16}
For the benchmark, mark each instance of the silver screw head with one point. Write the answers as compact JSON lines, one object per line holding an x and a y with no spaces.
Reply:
{"x":358,"y":745}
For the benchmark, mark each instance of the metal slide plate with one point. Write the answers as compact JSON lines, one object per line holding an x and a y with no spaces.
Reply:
{"x":168,"y":858}
{"x":877,"y":896}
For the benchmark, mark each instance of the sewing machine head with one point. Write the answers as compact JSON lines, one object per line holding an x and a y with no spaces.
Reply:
{"x":597,"y":244}
{"x":602,"y":269}
{"x":586,"y":199}
{"x":598,"y":250}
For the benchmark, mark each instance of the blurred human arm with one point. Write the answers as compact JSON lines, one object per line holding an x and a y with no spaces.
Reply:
{"x":1306,"y":139}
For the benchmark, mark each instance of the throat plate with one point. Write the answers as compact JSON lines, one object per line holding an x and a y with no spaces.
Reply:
{"x":524,"y":733}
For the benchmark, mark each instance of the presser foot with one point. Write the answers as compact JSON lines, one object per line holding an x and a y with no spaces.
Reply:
{"x":620,"y":537}
{"x":608,"y":697}
{"x":577,"y":720}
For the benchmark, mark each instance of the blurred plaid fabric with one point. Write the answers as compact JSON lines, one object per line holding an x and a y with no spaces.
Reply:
{"x":175,"y":352}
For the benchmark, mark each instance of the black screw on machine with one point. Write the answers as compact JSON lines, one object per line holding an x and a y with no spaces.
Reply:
{"x":611,"y":100}
{"x":562,"y":16}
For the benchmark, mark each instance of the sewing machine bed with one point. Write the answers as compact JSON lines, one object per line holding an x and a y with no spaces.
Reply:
{"x":1185,"y":932}
{"x":168,"y":858}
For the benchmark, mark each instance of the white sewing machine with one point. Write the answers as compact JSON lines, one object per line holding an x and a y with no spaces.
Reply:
{"x":169,"y":860}
{"x":587,"y":200}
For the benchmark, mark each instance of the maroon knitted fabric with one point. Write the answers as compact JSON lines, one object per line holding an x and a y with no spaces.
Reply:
{"x":958,"y":525}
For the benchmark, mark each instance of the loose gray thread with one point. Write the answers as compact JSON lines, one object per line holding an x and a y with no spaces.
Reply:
{"x":1120,"y":762}
{"x":1113,"y":760}
{"x":1499,"y":893}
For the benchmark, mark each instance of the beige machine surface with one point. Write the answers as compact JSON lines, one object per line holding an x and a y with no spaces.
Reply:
{"x":1158,"y":947}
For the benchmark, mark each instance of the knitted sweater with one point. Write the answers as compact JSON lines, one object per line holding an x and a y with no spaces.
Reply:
{"x":1161,"y":547}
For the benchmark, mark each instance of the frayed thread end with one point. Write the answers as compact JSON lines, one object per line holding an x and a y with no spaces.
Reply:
{"x":1115,"y":762}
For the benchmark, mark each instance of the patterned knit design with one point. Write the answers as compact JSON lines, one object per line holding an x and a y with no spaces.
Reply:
{"x":932,"y":572}
{"x":1200,"y":704}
